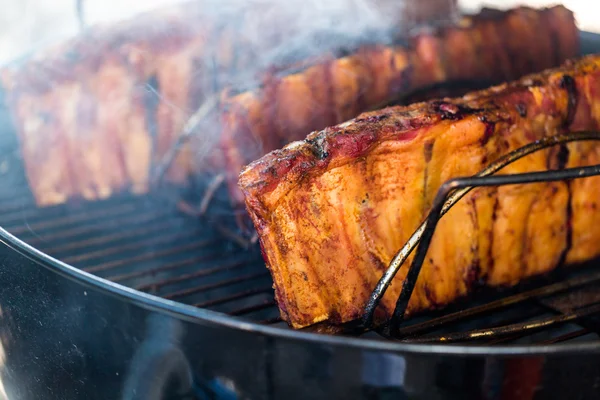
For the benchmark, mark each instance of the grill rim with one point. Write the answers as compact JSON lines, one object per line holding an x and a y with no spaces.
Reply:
{"x":203,"y":316}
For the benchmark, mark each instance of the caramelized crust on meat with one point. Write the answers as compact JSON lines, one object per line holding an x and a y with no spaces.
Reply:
{"x":97,"y":113}
{"x":332,"y":210}
{"x":492,"y":46}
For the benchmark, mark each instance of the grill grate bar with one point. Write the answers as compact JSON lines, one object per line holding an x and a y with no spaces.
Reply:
{"x":507,"y":330}
{"x":169,"y":254}
{"x":257,"y":307}
{"x":163,"y":268}
{"x":237,"y":296}
{"x":140,"y":242}
{"x":132,"y":219}
{"x":203,"y":272}
{"x":227,"y":282}
{"x":498,"y":304}
{"x":104,"y":240}
{"x":70,"y":219}
{"x":18,"y":205}
{"x":147,"y":256}
{"x":566,"y":336}
{"x":271,"y":321}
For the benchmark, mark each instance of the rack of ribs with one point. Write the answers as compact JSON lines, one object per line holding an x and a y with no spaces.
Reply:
{"x":332,"y":210}
{"x":492,"y":46}
{"x":97,"y":114}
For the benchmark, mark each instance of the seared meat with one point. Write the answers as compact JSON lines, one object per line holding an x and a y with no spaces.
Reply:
{"x":332,"y":210}
{"x":493,"y":46}
{"x":96,"y":114}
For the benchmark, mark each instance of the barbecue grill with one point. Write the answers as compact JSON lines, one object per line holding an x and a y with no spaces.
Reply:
{"x":131,"y":298}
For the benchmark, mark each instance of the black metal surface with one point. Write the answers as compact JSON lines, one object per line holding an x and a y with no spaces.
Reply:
{"x":146,"y":244}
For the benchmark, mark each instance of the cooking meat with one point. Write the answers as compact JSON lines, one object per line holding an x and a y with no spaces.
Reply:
{"x":332,"y":210}
{"x":93,"y":113}
{"x":493,"y":46}
{"x":96,"y":114}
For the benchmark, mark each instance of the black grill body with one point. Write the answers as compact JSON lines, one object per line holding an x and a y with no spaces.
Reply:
{"x":137,"y":309}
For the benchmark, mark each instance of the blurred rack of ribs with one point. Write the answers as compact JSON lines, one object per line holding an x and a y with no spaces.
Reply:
{"x":492,"y":46}
{"x":95,"y":115}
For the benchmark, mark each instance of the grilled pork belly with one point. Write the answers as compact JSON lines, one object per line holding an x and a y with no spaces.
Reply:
{"x":96,"y":114}
{"x":493,"y":46}
{"x":332,"y":210}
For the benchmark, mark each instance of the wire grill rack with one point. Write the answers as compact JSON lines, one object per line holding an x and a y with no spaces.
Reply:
{"x":147,"y":244}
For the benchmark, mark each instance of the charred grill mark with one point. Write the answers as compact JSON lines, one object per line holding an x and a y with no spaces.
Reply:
{"x":372,"y":118}
{"x":377,"y":262}
{"x":562,"y":157}
{"x":489,"y":131}
{"x":493,"y":193}
{"x":568,"y":83}
{"x":317,"y":147}
{"x":430,"y":296}
{"x":428,"y":150}
{"x":569,"y":225}
{"x":521,"y":109}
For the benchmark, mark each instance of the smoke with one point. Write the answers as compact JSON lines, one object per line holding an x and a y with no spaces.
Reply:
{"x":173,"y":59}
{"x":275,"y":33}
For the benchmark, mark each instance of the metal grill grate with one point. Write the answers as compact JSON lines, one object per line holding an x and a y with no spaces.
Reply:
{"x":146,"y":244}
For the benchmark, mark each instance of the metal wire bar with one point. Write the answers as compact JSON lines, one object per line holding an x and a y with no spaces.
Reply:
{"x":518,"y":328}
{"x":566,"y":336}
{"x":270,"y":321}
{"x":159,"y":226}
{"x":498,"y":304}
{"x":17,"y":205}
{"x":131,"y":219}
{"x":236,"y":296}
{"x":210,"y":192}
{"x":256,"y":307}
{"x":164,"y":267}
{"x":192,"y":123}
{"x":192,"y":275}
{"x":147,"y":256}
{"x":211,"y":286}
{"x":140,"y":242}
{"x":85,"y":215}
{"x":450,"y":193}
